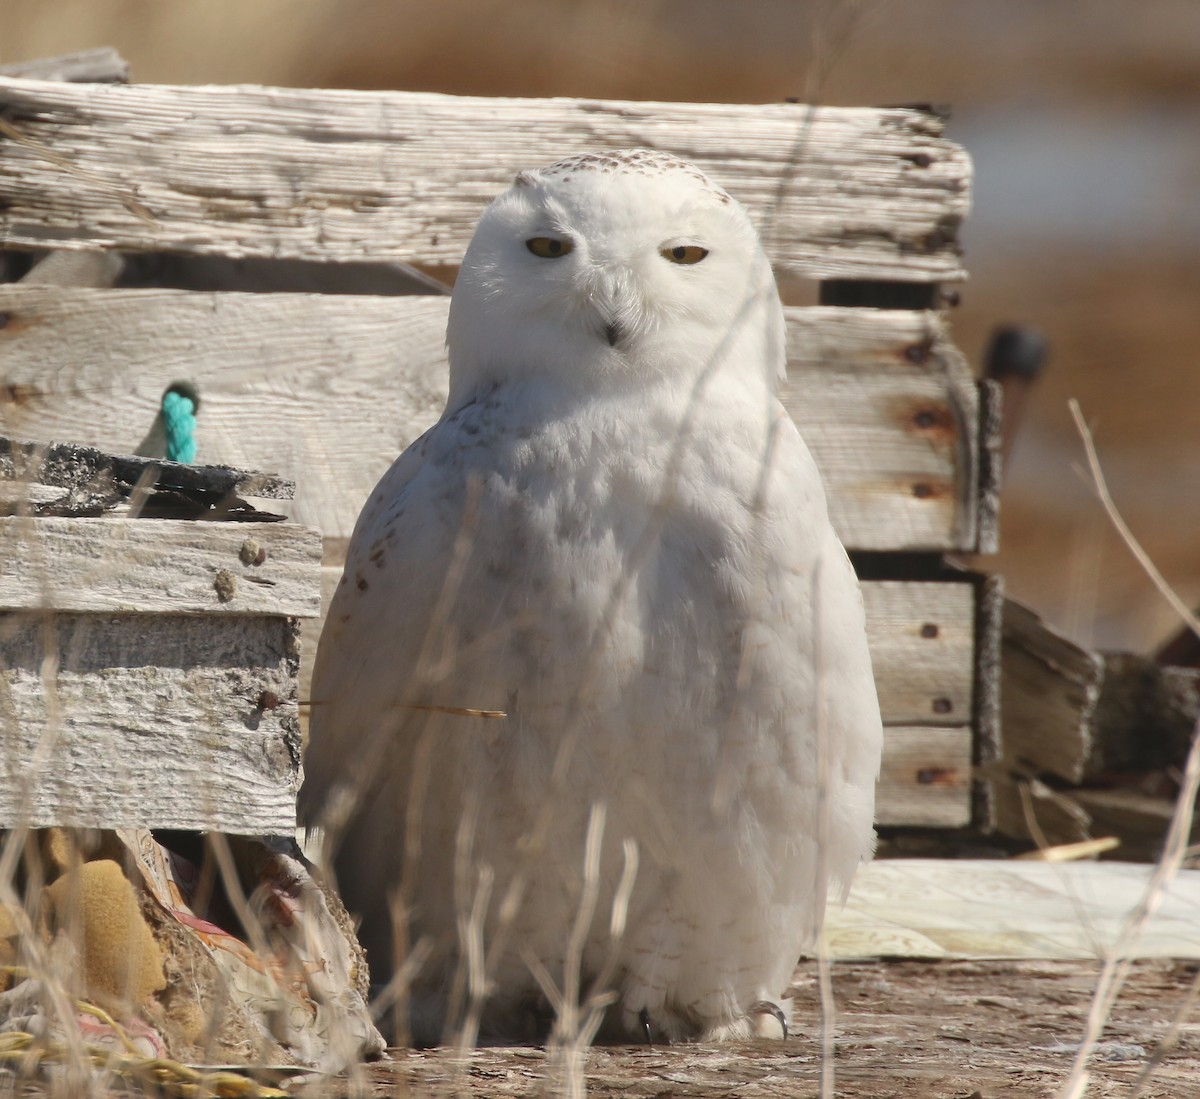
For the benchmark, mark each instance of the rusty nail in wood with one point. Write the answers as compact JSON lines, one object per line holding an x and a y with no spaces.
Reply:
{"x":927,"y":776}
{"x":918,"y":353}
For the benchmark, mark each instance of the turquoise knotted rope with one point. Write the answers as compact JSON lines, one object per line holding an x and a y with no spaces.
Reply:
{"x":179,"y":426}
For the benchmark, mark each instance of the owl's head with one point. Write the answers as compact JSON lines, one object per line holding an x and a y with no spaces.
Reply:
{"x":614,"y":269}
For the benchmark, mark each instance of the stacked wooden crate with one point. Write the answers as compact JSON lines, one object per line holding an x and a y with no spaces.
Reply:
{"x":261,"y":188}
{"x":149,"y":644}
{"x":1096,"y":741}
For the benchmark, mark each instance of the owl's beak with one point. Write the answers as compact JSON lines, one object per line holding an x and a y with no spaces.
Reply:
{"x":614,"y":332}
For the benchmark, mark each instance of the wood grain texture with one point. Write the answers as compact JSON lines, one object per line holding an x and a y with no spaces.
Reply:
{"x":925,"y":779}
{"x":1050,"y":689}
{"x":328,"y":390}
{"x":148,"y":567}
{"x":346,"y":175}
{"x":100,"y":64}
{"x":890,"y":411}
{"x":906,"y":1029}
{"x":155,"y":721}
{"x":922,"y":638}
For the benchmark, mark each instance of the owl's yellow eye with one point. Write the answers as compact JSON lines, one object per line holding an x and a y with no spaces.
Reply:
{"x":548,"y":247}
{"x":684,"y":253}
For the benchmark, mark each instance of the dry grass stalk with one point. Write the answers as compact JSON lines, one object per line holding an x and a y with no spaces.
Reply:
{"x":1072,"y":852}
{"x":1119,"y":960}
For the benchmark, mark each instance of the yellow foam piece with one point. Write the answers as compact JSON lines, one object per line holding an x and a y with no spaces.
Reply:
{"x":60,"y":852}
{"x":122,"y":962}
{"x":10,"y":933}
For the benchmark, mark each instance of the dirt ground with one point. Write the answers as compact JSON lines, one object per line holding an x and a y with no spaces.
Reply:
{"x":905,"y":1030}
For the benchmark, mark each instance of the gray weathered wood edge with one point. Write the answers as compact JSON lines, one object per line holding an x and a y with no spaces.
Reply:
{"x":991,"y":465}
{"x":1050,"y":688}
{"x":152,"y":566}
{"x":346,"y":175}
{"x":158,"y":721}
{"x":72,"y":466}
{"x":331,"y":389}
{"x":103,"y":64}
{"x":987,"y":715}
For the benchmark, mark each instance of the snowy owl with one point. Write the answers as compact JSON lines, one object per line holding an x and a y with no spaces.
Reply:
{"x":593,"y":717}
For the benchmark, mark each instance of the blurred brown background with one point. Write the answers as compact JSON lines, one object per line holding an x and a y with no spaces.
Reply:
{"x":1083,"y":117}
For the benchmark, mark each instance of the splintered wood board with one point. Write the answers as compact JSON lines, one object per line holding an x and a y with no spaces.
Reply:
{"x":349,"y":175}
{"x":923,"y":650}
{"x":1051,"y":688}
{"x":329,"y":389}
{"x":149,"y":720}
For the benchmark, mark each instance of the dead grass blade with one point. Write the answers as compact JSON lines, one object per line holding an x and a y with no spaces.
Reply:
{"x":1119,"y":959}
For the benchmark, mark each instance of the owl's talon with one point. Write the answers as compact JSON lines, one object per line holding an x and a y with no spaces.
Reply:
{"x":644,"y":1019}
{"x":764,"y":1017}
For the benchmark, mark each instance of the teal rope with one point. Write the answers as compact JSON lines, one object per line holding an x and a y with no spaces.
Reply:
{"x":179,"y":424}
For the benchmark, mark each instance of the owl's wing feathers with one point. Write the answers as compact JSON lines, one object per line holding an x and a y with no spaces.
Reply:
{"x":376,"y":630}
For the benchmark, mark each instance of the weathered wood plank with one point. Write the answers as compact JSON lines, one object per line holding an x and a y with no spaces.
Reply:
{"x":925,"y":779}
{"x":889,"y":409}
{"x":148,"y":567}
{"x":100,"y":64}
{"x":158,"y":721}
{"x":906,"y":1029}
{"x":329,"y":390}
{"x":1050,"y":688}
{"x":345,"y":175}
{"x":1085,"y":717}
{"x":922,"y":638}
{"x":74,"y":467}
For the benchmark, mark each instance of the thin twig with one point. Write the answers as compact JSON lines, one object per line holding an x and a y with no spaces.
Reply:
{"x":1119,"y":960}
{"x":1135,"y":547}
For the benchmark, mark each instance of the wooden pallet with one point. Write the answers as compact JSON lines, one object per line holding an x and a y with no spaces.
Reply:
{"x":148,"y":666}
{"x":285,"y":187}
